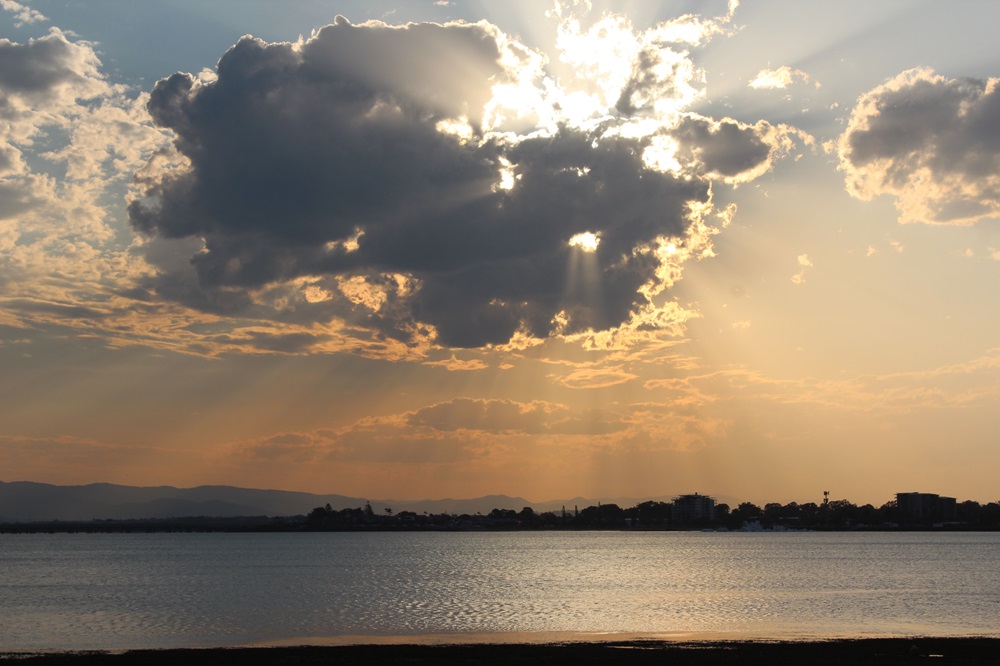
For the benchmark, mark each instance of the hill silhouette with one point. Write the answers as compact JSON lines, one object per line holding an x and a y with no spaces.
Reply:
{"x":23,"y":501}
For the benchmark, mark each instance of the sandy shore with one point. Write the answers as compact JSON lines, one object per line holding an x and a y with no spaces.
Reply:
{"x":836,"y":651}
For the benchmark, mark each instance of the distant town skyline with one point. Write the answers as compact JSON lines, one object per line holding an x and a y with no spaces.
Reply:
{"x":545,"y":249}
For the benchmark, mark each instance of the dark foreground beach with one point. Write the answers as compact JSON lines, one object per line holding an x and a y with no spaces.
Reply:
{"x":843,"y":651}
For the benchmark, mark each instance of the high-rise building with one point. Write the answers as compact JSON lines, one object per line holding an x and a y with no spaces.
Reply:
{"x":691,"y":508}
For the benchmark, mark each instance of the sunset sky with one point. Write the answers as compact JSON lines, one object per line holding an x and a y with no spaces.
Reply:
{"x":410,"y":250}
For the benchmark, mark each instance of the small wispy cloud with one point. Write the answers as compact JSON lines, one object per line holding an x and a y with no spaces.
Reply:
{"x":455,"y":364}
{"x":594,"y":378}
{"x":990,"y":254}
{"x":782,"y":77}
{"x":805,"y":263}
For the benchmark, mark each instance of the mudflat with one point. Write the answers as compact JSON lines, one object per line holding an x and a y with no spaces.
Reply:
{"x":930,"y":650}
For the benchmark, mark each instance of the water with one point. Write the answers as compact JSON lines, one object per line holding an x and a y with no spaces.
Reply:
{"x":115,"y":591}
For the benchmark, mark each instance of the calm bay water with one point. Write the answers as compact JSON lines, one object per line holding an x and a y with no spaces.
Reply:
{"x":113,"y":591}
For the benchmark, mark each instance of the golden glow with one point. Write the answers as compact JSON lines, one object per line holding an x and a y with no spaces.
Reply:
{"x":661,"y":155}
{"x":316,"y":294}
{"x":349,"y":244}
{"x":795,"y":346}
{"x":456,"y":127}
{"x":782,"y":77}
{"x":507,"y":176}
{"x":586,"y":241}
{"x":519,"y":103}
{"x":361,"y":292}
{"x":601,"y":57}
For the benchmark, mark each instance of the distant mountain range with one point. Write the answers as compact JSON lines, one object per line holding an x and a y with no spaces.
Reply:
{"x":25,"y":501}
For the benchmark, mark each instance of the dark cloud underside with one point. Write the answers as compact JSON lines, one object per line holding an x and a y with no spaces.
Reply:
{"x":932,"y":142}
{"x":326,"y":159}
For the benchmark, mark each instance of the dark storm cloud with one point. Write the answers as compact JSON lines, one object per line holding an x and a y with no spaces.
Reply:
{"x":295,"y":149}
{"x":932,"y":142}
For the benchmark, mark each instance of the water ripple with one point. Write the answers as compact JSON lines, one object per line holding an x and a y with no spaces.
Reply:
{"x":121,"y":591}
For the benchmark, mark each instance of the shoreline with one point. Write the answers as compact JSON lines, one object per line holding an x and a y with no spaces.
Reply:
{"x":586,"y":649}
{"x":665,"y":638}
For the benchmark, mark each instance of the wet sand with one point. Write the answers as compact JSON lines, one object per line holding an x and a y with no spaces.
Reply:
{"x":645,"y":651}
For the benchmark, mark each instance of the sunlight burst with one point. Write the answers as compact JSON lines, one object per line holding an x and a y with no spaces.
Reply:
{"x":586,"y":241}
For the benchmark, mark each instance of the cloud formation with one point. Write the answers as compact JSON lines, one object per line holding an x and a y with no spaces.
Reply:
{"x":492,"y":432}
{"x":387,"y":171}
{"x":22,"y":13}
{"x":932,"y":143}
{"x":510,"y":417}
{"x":68,"y":139}
{"x":448,"y":432}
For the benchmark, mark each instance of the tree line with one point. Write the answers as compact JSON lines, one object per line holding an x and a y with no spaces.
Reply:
{"x":833,"y":515}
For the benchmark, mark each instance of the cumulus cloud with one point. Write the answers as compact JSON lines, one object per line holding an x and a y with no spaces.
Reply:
{"x":930,"y":142}
{"x":727,"y":150}
{"x":386,"y":167}
{"x":41,"y":76}
{"x":22,"y":13}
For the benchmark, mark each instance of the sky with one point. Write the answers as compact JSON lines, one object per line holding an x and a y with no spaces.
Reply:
{"x":418,"y":250}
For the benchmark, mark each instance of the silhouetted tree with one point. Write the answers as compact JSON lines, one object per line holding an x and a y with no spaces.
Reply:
{"x":549,"y":519}
{"x":969,"y":512}
{"x":603,"y":515}
{"x":649,"y":514}
{"x":808,"y":514}
{"x":318,"y":516}
{"x":502,"y":518}
{"x":990,"y":515}
{"x":745,"y":512}
{"x":868,"y":515}
{"x":527,"y":517}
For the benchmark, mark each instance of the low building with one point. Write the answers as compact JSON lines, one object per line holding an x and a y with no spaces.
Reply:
{"x":692,"y":508}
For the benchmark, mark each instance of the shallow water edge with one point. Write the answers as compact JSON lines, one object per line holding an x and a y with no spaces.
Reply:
{"x":898,"y":650}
